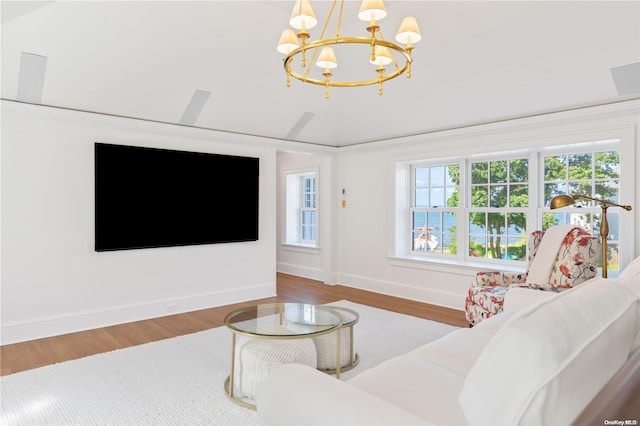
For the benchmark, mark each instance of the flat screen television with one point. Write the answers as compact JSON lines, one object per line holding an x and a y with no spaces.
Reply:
{"x":148,"y":197}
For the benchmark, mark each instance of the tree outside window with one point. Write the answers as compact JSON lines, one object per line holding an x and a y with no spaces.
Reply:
{"x":595,"y":174}
{"x":498,"y":213}
{"x":489,"y":203}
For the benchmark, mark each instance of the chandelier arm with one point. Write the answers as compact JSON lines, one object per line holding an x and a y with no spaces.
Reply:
{"x":324,"y":30}
{"x":339,"y":27}
{"x":347,"y":40}
{"x":326,"y":23}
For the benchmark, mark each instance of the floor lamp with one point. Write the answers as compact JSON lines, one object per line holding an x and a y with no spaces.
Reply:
{"x":568,"y":200}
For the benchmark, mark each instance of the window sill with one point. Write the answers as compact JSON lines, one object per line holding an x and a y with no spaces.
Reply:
{"x":301,"y":248}
{"x":449,"y":265}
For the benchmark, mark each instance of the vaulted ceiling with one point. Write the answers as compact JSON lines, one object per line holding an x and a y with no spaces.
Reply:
{"x":161,"y":60}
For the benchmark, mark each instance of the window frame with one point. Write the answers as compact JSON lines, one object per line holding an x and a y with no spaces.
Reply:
{"x":430,"y":209}
{"x":293,"y":201}
{"x":535,"y":210}
{"x":469,"y":209}
{"x":308,"y":209}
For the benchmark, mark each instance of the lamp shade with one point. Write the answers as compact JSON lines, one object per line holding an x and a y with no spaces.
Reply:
{"x":302,"y":16}
{"x":383,"y":56}
{"x":408,"y":31}
{"x":288,"y":41}
{"x":560,"y":201}
{"x":327,"y":58}
{"x":372,"y":10}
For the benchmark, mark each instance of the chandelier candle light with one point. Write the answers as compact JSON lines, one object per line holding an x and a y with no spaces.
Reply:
{"x":568,"y":200}
{"x":381,"y":51}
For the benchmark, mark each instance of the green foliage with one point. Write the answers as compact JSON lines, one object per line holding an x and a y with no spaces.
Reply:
{"x":518,"y":252}
{"x":505,"y":184}
{"x":499,"y":184}
{"x":476,"y":249}
{"x":593,"y":174}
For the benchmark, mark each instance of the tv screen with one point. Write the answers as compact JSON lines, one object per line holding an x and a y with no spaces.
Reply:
{"x":148,"y":197}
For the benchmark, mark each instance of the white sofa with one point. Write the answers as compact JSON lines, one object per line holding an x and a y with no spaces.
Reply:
{"x":540,"y":362}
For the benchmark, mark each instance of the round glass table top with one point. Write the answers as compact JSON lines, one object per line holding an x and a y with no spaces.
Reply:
{"x":349,"y":316}
{"x":283,"y":319}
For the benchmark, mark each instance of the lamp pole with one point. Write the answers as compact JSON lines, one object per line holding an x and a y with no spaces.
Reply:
{"x":604,"y":235}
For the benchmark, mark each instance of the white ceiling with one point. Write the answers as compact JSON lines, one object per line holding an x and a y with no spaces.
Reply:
{"x":477,"y":62}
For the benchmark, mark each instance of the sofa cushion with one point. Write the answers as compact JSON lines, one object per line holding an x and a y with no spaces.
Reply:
{"x":456,"y":352}
{"x":493,"y":324}
{"x":295,"y":394}
{"x":551,"y":359}
{"x":518,"y":298}
{"x":418,"y":387}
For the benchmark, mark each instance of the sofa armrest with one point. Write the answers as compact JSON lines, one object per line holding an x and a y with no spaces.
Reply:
{"x":294,"y":394}
{"x":518,"y":298}
{"x":497,"y":278}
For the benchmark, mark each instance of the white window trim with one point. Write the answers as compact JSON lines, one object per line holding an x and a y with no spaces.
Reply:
{"x":399,"y":254}
{"x":296,"y":244}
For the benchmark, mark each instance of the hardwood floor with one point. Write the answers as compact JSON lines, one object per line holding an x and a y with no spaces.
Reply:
{"x":37,"y":353}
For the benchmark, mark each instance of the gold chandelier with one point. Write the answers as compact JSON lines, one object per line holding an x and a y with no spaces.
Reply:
{"x":381,"y":51}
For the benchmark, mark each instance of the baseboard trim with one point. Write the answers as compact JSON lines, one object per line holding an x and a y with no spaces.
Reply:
{"x":301,"y":271}
{"x":405,"y":291}
{"x":22,"y":331}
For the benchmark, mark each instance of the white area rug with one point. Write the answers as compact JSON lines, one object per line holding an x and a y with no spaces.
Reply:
{"x":177,"y":381}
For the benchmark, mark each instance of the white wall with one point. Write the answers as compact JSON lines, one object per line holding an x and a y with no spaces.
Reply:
{"x":365,"y":228}
{"x":53,"y":281}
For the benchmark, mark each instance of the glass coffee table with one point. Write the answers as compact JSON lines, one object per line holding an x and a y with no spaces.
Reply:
{"x":265,"y":336}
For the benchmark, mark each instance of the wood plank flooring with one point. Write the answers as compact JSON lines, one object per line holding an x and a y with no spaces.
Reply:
{"x":37,"y":353}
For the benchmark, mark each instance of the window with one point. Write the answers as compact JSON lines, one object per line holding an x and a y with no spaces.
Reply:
{"x":301,"y":203}
{"x":497,"y":218}
{"x":308,"y":210}
{"x":484,"y":208}
{"x":435,"y":198}
{"x":595,"y":174}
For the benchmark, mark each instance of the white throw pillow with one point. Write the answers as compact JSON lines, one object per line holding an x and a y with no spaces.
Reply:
{"x":550,"y":359}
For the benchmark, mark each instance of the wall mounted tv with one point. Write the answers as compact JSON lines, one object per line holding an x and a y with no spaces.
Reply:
{"x":147,"y":197}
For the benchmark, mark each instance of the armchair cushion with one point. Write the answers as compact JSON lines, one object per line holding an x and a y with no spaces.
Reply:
{"x":576,"y":261}
{"x":543,"y":263}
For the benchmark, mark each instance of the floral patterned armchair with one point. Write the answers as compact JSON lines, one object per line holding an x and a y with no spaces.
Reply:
{"x":575,"y":262}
